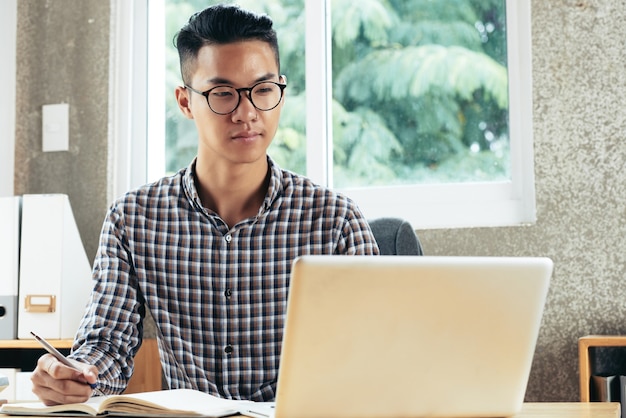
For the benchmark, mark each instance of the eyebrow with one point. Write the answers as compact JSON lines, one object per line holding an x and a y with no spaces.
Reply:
{"x":220,"y":80}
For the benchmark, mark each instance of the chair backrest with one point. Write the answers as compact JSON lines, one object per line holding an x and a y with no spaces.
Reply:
{"x":147,"y":375}
{"x":395,"y":236}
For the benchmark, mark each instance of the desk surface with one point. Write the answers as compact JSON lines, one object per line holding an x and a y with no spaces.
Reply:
{"x":570,"y":410}
{"x":559,"y":410}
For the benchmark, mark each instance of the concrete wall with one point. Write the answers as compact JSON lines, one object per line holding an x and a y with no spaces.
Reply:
{"x":580,"y":168}
{"x":63,"y":57}
{"x":580,"y":158}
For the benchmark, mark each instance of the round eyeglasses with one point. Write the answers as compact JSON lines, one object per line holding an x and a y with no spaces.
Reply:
{"x":223,"y":100}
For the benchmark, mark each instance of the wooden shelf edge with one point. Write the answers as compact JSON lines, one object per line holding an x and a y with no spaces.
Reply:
{"x":584,"y":366}
{"x":602,"y":340}
{"x":4,"y":344}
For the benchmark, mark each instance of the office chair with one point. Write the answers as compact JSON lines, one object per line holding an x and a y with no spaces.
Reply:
{"x":395,"y":236}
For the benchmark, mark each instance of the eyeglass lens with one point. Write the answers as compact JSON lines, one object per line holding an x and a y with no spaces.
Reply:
{"x":225,"y":99}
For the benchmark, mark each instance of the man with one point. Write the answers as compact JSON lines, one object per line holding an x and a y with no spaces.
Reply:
{"x":209,"y":250}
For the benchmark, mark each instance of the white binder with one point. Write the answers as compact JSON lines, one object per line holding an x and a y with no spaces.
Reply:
{"x":9,"y":265}
{"x":9,"y":392}
{"x":55,"y":274}
{"x":24,"y":387}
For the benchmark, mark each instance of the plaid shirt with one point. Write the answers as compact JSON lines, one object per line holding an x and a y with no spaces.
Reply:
{"x":217,"y":294}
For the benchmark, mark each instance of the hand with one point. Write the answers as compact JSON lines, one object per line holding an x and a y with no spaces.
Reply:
{"x":55,"y":383}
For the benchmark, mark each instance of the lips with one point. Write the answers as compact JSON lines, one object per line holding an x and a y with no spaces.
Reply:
{"x":245,"y":135}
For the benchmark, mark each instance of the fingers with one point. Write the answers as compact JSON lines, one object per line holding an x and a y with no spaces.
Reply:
{"x":47,"y":365}
{"x":55,"y":383}
{"x":90,"y":373}
{"x":50,"y":396}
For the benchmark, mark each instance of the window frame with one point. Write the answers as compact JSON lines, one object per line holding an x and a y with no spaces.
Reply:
{"x":425,"y":206}
{"x":430,"y":206}
{"x":8,"y":70}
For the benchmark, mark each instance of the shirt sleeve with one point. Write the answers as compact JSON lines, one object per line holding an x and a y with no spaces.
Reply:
{"x":110,"y":332}
{"x":356,"y":236}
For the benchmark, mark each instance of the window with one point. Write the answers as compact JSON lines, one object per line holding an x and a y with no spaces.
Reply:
{"x":413,"y":113}
{"x":8,"y":31}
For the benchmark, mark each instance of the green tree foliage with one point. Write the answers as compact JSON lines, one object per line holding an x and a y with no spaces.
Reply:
{"x":420,"y":90}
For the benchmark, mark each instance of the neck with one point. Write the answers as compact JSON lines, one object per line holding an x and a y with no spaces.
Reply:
{"x":235,"y":192}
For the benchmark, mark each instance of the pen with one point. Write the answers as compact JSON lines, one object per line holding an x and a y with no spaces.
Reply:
{"x":50,"y":349}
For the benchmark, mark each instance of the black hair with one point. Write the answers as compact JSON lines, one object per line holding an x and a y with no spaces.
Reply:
{"x":218,"y":25}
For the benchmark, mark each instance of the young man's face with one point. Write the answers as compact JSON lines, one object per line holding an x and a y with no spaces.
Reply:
{"x":243,"y":135}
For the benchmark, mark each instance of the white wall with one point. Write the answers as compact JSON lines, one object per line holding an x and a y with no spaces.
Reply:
{"x":8,"y":27}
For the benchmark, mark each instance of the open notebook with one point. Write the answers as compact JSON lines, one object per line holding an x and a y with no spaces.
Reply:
{"x":165,"y":403}
{"x":392,"y":336}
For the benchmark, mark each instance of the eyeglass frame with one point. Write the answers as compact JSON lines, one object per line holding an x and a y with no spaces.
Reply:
{"x":206,"y":93}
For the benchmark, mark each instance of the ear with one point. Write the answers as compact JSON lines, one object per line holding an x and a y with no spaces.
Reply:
{"x":183,"y":100}
{"x":283,"y":79}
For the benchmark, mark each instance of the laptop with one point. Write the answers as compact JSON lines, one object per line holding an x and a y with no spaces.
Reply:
{"x":410,"y":336}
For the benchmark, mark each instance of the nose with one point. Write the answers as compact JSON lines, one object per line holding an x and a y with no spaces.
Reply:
{"x":245,"y":111}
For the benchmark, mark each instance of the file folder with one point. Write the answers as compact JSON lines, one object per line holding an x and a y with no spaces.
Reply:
{"x":55,"y":273}
{"x":9,"y":265}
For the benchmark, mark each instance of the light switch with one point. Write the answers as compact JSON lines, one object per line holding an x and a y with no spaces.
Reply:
{"x":56,"y":129}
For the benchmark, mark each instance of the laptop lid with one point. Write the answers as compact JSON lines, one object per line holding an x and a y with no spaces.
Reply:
{"x":389,"y":336}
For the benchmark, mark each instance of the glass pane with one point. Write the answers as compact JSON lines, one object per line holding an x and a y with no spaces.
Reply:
{"x":420,"y":92}
{"x":289,"y":146}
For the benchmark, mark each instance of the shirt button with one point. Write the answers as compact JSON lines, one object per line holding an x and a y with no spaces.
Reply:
{"x":228,"y":349}
{"x":228,"y":238}
{"x":228,"y":293}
